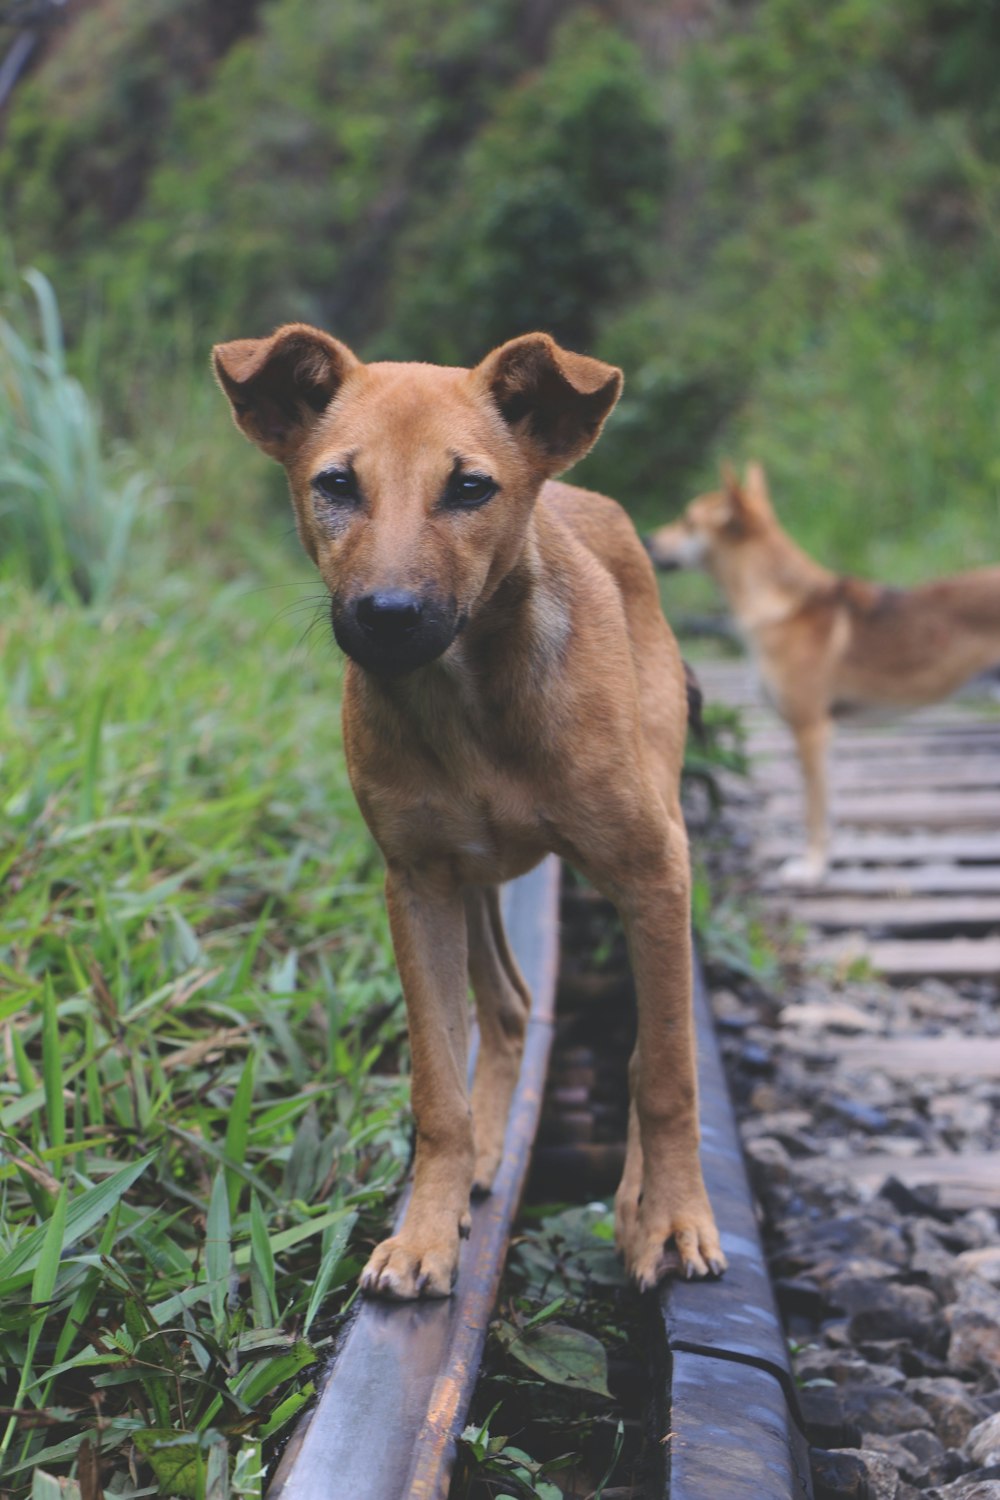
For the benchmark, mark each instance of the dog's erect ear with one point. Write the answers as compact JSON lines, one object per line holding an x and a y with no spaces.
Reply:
{"x":556,"y":400}
{"x":731,"y":483}
{"x":279,"y":386}
{"x":748,"y":503}
{"x":735,"y":506}
{"x":755,"y":488}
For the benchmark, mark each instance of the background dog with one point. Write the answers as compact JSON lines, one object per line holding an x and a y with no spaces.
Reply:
{"x":827,"y":646}
{"x":512,"y":688}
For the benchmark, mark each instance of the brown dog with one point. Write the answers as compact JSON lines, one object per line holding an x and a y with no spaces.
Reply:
{"x":827,"y":646}
{"x":512,"y":689}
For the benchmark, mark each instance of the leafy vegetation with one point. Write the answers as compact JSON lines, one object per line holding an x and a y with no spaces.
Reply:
{"x":201,"y":1100}
{"x":727,"y":917}
{"x":564,"y":1306}
{"x":784,"y":226}
{"x":566,"y":179}
{"x":827,"y":301}
{"x":202,"y":1092}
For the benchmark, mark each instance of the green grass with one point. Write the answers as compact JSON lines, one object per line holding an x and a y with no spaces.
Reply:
{"x":201,"y":1103}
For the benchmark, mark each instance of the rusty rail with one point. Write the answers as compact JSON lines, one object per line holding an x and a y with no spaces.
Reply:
{"x":396,"y":1395}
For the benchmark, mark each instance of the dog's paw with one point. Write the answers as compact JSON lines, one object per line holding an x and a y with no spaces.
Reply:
{"x":486,"y":1168}
{"x":695,"y":1251}
{"x":626,"y":1217}
{"x":804,"y":869}
{"x":403,"y":1270}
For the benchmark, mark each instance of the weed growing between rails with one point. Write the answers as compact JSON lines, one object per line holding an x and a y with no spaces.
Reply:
{"x":201,"y":1107}
{"x":727,"y":922}
{"x":564,"y":1312}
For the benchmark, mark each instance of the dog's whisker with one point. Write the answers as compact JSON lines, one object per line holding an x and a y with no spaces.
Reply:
{"x":270,"y":588}
{"x":302,"y":606}
{"x":309,"y":638}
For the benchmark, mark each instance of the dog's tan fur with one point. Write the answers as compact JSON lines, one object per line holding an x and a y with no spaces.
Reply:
{"x":553,"y":721}
{"x":828,"y":646}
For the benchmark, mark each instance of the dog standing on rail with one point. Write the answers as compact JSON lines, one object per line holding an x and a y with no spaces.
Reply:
{"x":828,"y":646}
{"x":512,"y":689}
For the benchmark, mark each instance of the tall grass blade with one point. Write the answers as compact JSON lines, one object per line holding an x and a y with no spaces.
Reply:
{"x":84,"y":1213}
{"x":43,"y":1282}
{"x":332,"y":1255}
{"x":82,"y":1302}
{"x":92,"y":759}
{"x":262,"y":1258}
{"x":66,"y":517}
{"x":218,"y":1249}
{"x":51,"y":324}
{"x":238,"y":1129}
{"x":217,"y":1471}
{"x":55,"y":1102}
{"x":42,"y":1286}
{"x":27,"y":1079}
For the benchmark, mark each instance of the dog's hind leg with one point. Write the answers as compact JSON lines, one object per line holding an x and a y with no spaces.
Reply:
{"x":427,"y":919}
{"x":629,"y":1192}
{"x":502,"y":1006}
{"x":812,"y":742}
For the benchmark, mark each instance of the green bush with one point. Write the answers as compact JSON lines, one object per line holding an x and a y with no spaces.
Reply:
{"x":786,"y":230}
{"x":829,"y":285}
{"x":271,"y":191}
{"x":85,"y":130}
{"x":66,"y":511}
{"x":551,"y":210}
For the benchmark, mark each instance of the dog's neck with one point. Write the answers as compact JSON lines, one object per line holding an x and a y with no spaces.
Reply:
{"x":768,"y":578}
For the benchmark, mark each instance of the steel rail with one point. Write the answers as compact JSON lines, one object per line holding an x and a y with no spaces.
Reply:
{"x":396,"y":1395}
{"x":731,"y":1426}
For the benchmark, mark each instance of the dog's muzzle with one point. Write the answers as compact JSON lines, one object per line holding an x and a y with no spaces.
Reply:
{"x":665,"y":564}
{"x":392,"y":632}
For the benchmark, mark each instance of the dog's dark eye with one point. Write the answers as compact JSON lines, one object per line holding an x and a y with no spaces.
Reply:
{"x":466,"y":491}
{"x":336,"y":484}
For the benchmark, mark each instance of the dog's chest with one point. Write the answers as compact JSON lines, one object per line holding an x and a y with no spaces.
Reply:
{"x":446,"y":789}
{"x":486,"y":829}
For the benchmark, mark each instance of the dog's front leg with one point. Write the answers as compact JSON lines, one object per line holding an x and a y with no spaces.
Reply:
{"x":812,"y":741}
{"x":502,"y":1005}
{"x":427,"y":920}
{"x":662,"y":1195}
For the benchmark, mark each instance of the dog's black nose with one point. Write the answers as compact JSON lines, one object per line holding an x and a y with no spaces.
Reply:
{"x":390,"y":617}
{"x":390,"y":632}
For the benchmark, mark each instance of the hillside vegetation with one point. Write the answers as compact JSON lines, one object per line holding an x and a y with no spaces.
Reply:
{"x":781,"y":219}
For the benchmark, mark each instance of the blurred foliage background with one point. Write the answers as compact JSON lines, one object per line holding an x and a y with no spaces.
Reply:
{"x":781,"y":219}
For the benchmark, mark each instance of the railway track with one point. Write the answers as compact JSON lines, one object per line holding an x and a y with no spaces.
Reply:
{"x":914,"y":891}
{"x":721,"y":1414}
{"x":868,"y":1081}
{"x":912,"y":895}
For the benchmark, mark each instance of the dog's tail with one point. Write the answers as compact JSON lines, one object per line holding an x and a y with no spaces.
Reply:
{"x":695,"y":699}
